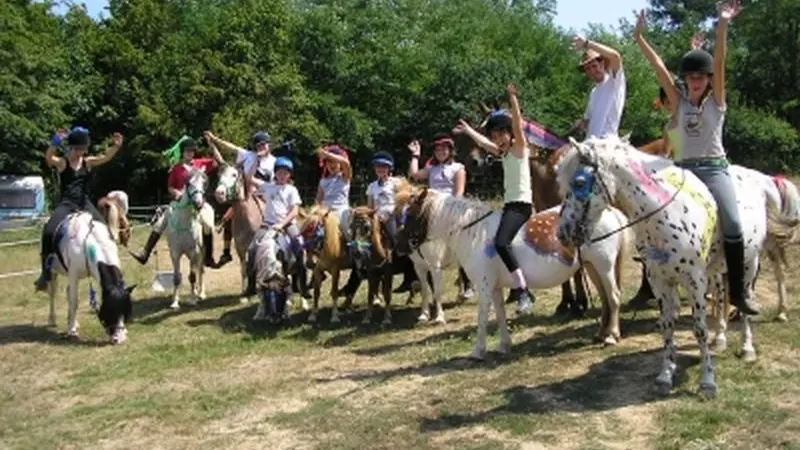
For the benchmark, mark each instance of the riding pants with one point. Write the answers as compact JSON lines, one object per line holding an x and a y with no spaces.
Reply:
{"x":719,"y":182}
{"x":61,"y":211}
{"x":515,"y":214}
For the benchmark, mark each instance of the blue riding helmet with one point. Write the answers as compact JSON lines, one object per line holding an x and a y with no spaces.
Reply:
{"x":78,"y":137}
{"x":260,"y":137}
{"x":283,"y":162}
{"x":383,"y":159}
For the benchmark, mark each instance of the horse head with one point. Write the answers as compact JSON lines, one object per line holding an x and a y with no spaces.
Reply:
{"x":117,"y":305}
{"x":321,"y":230}
{"x":413,"y":230}
{"x":196,"y":183}
{"x":230,"y":186}
{"x":366,"y":244}
{"x":587,"y":189}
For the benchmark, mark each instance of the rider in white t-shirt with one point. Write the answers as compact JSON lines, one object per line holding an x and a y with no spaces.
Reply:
{"x":603,"y":66}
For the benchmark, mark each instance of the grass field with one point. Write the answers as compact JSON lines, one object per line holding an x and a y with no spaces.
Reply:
{"x":207,"y":377}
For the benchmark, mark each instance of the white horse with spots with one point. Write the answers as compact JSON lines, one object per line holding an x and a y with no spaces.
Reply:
{"x":468,"y":228}
{"x":184,"y":221}
{"x":675,"y":220}
{"x":86,"y":249}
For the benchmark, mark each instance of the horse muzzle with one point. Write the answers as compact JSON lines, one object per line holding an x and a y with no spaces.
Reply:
{"x":198,"y":200}
{"x":221,"y":195}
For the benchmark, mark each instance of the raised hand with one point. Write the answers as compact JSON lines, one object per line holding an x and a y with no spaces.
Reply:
{"x":579,"y":43}
{"x":730,"y":9}
{"x":461,"y":128}
{"x":116,"y":138}
{"x":698,"y":39}
{"x":414,"y":147}
{"x":512,"y":90}
{"x":641,"y":23}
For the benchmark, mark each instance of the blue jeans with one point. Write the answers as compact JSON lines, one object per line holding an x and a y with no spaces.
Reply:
{"x":719,"y":182}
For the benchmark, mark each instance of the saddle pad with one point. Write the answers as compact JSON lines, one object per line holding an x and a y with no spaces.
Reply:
{"x":540,"y":234}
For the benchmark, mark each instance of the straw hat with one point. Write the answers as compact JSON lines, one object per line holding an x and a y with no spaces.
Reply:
{"x":588,"y":56}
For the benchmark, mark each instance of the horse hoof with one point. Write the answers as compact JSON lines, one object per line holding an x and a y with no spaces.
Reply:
{"x":661,"y":388}
{"x":244,"y":300}
{"x":440,"y":320}
{"x":175,"y":306}
{"x":609,"y":341}
{"x":305,"y":305}
{"x":719,"y":345}
{"x":377,"y":302}
{"x":707,"y":390}
{"x":73,"y":336}
{"x":51,"y":324}
{"x":782,"y":317}
{"x":476,"y":357}
{"x":423,"y":318}
{"x":748,"y":355}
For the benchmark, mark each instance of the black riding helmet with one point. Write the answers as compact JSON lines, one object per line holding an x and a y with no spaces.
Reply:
{"x":188,"y":144}
{"x":696,"y":61}
{"x":78,"y":137}
{"x":498,"y":121}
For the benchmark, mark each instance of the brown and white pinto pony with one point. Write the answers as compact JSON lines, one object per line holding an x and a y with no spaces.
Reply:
{"x":114,"y":209}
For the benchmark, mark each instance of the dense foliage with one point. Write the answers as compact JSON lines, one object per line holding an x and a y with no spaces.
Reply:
{"x":368,"y":73}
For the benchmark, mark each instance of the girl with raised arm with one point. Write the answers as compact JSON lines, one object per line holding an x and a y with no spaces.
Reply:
{"x":75,"y":174}
{"x":699,"y":107}
{"x":508,"y":141}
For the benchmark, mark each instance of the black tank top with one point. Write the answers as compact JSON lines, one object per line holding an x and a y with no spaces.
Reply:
{"x":75,"y":184}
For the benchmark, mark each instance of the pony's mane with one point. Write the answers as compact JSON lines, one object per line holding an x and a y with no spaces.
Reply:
{"x":377,"y":242}
{"x":404,"y":194}
{"x":451,"y":209}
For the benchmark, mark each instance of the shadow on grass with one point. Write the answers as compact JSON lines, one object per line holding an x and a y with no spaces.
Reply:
{"x":617,"y":382}
{"x":14,"y":334}
{"x":297,"y":327}
{"x":154,"y":310}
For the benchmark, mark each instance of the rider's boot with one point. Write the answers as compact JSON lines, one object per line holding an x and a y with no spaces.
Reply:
{"x":639,"y":301}
{"x":739,"y":294}
{"x":249,"y":265}
{"x":302,"y":276}
{"x":144,"y":254}
{"x":43,"y":281}
{"x":227,"y":237}
{"x":409,"y":276}
{"x":208,"y":250}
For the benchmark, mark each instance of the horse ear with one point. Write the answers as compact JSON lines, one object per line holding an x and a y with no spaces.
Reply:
{"x":130,"y":289}
{"x":573,"y":142}
{"x":626,"y":139}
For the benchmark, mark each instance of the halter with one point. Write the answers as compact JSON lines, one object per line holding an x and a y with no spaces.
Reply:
{"x":586,"y":193}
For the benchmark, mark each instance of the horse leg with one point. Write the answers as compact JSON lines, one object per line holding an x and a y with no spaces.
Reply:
{"x":780,"y":277}
{"x":72,"y":306}
{"x":567,"y":299}
{"x":51,"y":291}
{"x":334,"y":297}
{"x":719,"y":343}
{"x":193,"y":284}
{"x":316,"y":284}
{"x":436,"y":280}
{"x":201,"y":281}
{"x":372,"y":288}
{"x":747,"y":351}
{"x":668,"y":302}
{"x":582,"y":298}
{"x":424,"y":273}
{"x":698,"y":285}
{"x":243,"y":271}
{"x":486,"y":286}
{"x":504,"y":346}
{"x":387,"y":294}
{"x":608,"y":333}
{"x":176,"y":281}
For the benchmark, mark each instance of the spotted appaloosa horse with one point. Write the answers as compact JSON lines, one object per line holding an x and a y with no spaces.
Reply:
{"x":468,"y":227}
{"x":675,"y":220}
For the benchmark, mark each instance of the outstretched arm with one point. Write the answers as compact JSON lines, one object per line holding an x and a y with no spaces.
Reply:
{"x":726,"y":13}
{"x":223,"y":144}
{"x":481,"y":140}
{"x":656,"y":63}
{"x":94,"y":161}
{"x":612,"y":56}
{"x":347,"y":169}
{"x":413,"y":166}
{"x":518,"y":150}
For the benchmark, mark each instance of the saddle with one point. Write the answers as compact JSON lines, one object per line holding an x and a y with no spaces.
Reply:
{"x":61,"y":231}
{"x":540,"y":234}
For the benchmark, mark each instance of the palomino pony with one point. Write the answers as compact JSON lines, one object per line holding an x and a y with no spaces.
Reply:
{"x":327,"y":244}
{"x":371,"y":258}
{"x":675,"y":220}
{"x":114,"y":208}
{"x":86,"y":250}
{"x":184,"y":221}
{"x":468,"y":227}
{"x":546,"y":149}
{"x":247,"y":211}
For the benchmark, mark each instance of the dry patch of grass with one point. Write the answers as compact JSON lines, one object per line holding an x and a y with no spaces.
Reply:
{"x":207,"y":377}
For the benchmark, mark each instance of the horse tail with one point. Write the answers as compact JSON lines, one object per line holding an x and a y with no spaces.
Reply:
{"x":333,"y":242}
{"x":625,"y":244}
{"x":783,"y":211}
